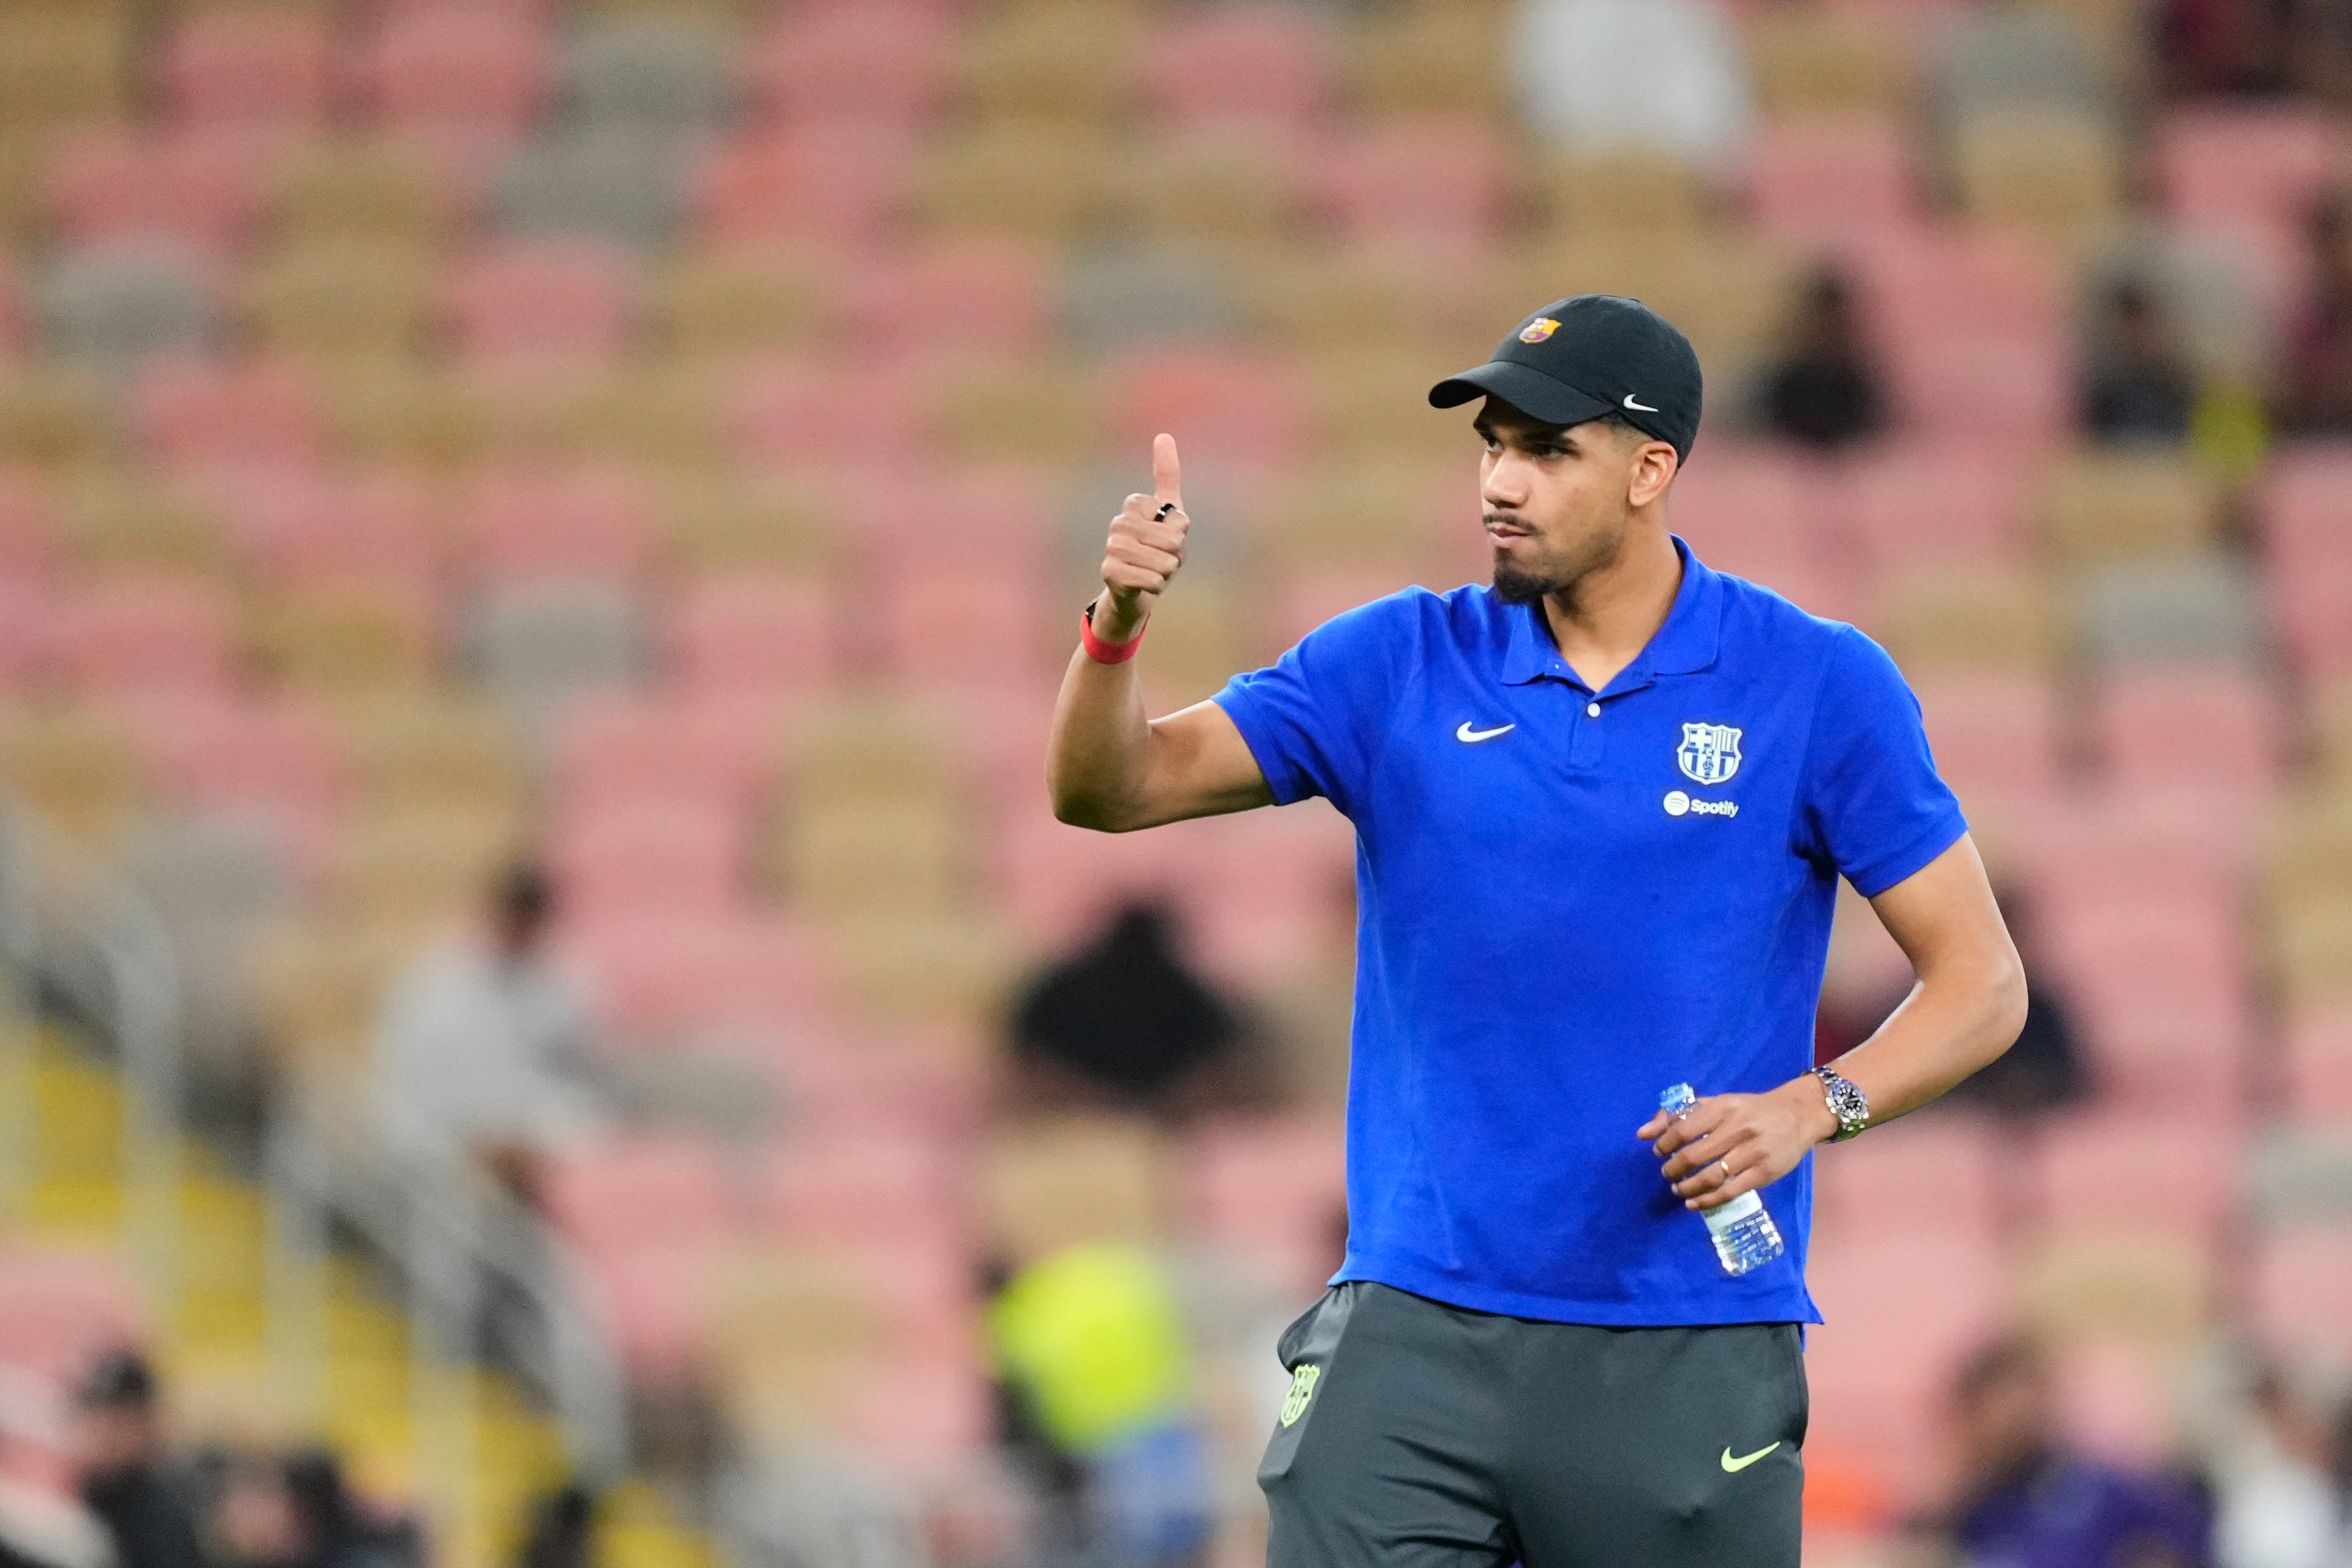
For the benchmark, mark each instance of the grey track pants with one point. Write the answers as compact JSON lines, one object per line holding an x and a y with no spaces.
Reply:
{"x":1419,"y":1435}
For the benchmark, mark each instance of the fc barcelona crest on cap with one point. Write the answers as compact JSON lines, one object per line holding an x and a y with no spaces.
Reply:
{"x":1536,"y":330}
{"x":1709,"y":753}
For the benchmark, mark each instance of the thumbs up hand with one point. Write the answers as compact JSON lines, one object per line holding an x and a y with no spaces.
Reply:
{"x":1145,"y":549}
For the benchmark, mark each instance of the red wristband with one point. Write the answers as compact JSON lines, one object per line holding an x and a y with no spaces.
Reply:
{"x":1103,"y":652}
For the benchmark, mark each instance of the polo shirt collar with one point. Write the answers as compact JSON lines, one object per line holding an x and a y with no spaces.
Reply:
{"x":1684,"y":645}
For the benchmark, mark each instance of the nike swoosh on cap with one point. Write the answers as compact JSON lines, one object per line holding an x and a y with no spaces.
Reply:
{"x":1638,"y":407}
{"x":1735,"y":1466}
{"x":1471,"y":737}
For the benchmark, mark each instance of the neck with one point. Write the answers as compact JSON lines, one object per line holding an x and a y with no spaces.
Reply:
{"x":1611,"y":613}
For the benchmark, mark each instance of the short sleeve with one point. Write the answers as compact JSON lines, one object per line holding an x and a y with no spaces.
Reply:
{"x":1313,"y":718}
{"x":1874,"y":804}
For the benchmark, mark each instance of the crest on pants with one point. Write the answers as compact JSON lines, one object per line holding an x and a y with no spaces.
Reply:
{"x":1302,"y":1389}
{"x":1709,"y":753}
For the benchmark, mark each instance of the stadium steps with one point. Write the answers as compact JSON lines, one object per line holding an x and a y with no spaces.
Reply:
{"x":213,"y":1353}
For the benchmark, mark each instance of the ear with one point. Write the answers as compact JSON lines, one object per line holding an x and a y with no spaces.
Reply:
{"x":1654,"y":467}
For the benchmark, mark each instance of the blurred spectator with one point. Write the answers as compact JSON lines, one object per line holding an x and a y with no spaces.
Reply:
{"x":124,"y":1469}
{"x":1824,"y":391}
{"x":2278,"y":1506}
{"x":2026,"y":1502}
{"x":1665,"y":74}
{"x":2046,"y":1067}
{"x":42,"y":1525}
{"x":1091,"y":1351}
{"x":2141,"y":391}
{"x":562,"y":1531}
{"x":2318,"y":396}
{"x":1125,"y":1020}
{"x":2003,"y":56}
{"x":250,"y":1519}
{"x":482,"y":1048}
{"x":2208,"y":48}
{"x":336,"y":1531}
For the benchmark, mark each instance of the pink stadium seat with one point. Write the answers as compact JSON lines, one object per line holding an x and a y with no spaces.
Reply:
{"x":1818,"y":182}
{"x":1270,"y":1190}
{"x":1435,"y":185}
{"x":28,"y":543}
{"x":1306,"y":599}
{"x":811,"y":187}
{"x":2305,"y":507}
{"x":1273,"y":896}
{"x":2001,"y":386}
{"x":303,"y":529}
{"x":1270,"y":67}
{"x":2302,"y":1278}
{"x":137,"y":637}
{"x":221,"y":756}
{"x":874,"y":1188}
{"x":2217,"y":730}
{"x":854,"y":63}
{"x":789,"y":413}
{"x":60,"y":1310}
{"x":1754,"y":512}
{"x":553,"y":303}
{"x":1928,"y":505}
{"x":661,"y":974}
{"x":1000,"y":516}
{"x":2316,"y":1046}
{"x":1901,"y":1312}
{"x":204,"y":416}
{"x":2116,"y":848}
{"x":768,"y":636}
{"x":1946,"y":284}
{"x":979,"y":626}
{"x":974,"y":296}
{"x":1057,"y":882}
{"x":921,"y":1415}
{"x":2188,"y":1193}
{"x":1996,"y":736}
{"x":1232,"y":405}
{"x":1954,"y":1164}
{"x":656,"y":858}
{"x":2260,"y":167}
{"x":455,"y":75}
{"x":2306,"y":503}
{"x":248,"y":70}
{"x":2313,"y":610}
{"x":713,"y":753}
{"x":2162,"y":990}
{"x":578,"y":524}
{"x":26,"y":609}
{"x":643,"y":1190}
{"x":199,"y":190}
{"x":654,"y":1303}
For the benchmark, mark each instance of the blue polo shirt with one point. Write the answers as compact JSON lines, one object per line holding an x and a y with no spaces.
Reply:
{"x":1568,"y":900}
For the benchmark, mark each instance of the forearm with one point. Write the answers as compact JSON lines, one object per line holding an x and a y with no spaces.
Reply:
{"x":1099,"y":757}
{"x":1958,"y":1017}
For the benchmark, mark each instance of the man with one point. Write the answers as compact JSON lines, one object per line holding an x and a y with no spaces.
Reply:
{"x":1602,"y":807}
{"x":124,"y":1469}
{"x":481,"y":1054}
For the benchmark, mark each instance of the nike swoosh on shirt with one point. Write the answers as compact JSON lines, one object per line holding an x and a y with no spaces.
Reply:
{"x":1470,"y":737}
{"x":1638,"y":407}
{"x":1734,"y":1467}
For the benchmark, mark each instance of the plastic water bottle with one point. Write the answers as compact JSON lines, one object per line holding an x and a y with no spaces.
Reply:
{"x":1745,"y":1235}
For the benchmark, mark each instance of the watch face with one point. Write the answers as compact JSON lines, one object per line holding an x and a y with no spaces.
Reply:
{"x":1848,"y":1103}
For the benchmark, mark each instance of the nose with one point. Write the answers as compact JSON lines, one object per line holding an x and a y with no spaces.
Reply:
{"x":1504,"y":481}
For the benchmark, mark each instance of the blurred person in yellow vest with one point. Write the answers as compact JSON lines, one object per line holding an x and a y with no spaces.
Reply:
{"x":1090,"y":1351}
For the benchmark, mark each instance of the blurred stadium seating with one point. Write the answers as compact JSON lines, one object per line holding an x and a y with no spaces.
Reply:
{"x":674,"y":434}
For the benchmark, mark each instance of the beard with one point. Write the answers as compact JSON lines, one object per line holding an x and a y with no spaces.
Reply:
{"x":1514,"y":586}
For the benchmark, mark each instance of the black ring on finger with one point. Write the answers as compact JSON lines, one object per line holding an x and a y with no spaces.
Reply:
{"x":1165,"y":507}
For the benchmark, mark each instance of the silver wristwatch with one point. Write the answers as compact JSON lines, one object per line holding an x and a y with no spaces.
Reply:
{"x":1846,"y":1101}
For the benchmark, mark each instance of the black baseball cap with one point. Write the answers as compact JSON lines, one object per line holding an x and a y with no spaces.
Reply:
{"x":1580,"y":358}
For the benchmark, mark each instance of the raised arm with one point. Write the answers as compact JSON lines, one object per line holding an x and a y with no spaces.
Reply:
{"x":1110,"y":766}
{"x":1965,"y":1010}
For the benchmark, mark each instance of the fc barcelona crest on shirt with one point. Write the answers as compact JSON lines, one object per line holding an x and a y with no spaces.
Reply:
{"x":1709,"y":753}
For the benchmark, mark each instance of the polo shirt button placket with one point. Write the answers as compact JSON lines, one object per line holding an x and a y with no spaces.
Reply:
{"x":1592,"y":710}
